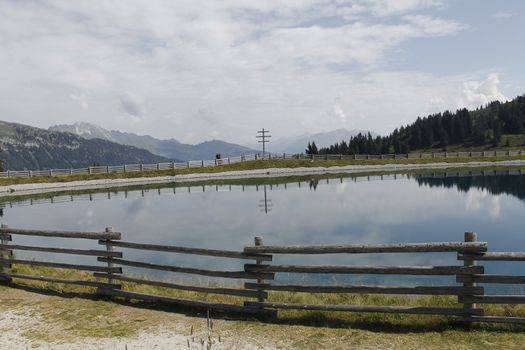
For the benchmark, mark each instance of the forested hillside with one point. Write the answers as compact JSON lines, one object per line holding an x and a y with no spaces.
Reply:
{"x":24,"y":147}
{"x":483,"y":128}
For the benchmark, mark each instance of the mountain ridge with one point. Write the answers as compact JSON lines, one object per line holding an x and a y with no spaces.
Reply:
{"x":170,"y":148}
{"x":24,"y":147}
{"x":298,"y":144}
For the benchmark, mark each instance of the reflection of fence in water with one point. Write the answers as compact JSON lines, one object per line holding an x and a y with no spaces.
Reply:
{"x":312,"y":184}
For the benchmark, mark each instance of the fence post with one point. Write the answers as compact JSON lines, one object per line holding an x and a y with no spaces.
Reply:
{"x":30,"y":173}
{"x":469,"y":237}
{"x":258,"y":242}
{"x":229,"y":161}
{"x":172,"y":165}
{"x":107,"y":169}
{"x":50,"y":172}
{"x":109,"y":249}
{"x":141,"y":167}
{"x":4,"y":254}
{"x":124,"y":167}
{"x":158,"y":166}
{"x":284,"y":155}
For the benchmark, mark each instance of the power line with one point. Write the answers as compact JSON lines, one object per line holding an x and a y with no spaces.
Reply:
{"x":263,"y":139}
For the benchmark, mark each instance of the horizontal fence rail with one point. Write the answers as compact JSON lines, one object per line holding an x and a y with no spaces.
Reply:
{"x":255,"y":292}
{"x":128,"y":168}
{"x":194,"y":251}
{"x":373,"y":248}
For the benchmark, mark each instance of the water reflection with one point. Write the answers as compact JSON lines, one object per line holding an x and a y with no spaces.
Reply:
{"x":265,"y":204}
{"x":495,"y":184}
{"x":307,"y":210}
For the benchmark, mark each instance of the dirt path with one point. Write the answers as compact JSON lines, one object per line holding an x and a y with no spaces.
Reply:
{"x":31,"y":320}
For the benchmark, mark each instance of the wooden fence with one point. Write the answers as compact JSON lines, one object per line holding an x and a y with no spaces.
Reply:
{"x":129,"y":168}
{"x":433,"y":155}
{"x":258,"y":274}
{"x":224,"y":161}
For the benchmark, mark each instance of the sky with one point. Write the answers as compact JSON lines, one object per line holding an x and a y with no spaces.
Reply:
{"x":197,"y":70}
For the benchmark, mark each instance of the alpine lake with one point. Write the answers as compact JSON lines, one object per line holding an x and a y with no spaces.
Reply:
{"x":310,"y":210}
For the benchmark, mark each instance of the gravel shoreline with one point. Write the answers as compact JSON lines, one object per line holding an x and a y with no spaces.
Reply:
{"x":37,"y":188}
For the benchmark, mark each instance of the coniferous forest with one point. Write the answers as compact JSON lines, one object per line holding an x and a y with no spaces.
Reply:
{"x":484,"y":126}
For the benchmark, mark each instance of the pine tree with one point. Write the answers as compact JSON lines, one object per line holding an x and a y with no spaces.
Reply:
{"x":314,"y":148}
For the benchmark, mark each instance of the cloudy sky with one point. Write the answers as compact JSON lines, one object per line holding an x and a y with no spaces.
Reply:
{"x":197,"y":70}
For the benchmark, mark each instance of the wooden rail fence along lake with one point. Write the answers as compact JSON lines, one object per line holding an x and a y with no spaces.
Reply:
{"x":256,"y":278}
{"x":130,"y":168}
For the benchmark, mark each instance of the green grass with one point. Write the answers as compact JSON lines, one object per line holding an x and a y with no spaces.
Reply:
{"x":79,"y":314}
{"x":249,"y":165}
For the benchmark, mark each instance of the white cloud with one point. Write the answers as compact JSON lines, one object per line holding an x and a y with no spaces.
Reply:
{"x":185,"y":69}
{"x":390,"y":7}
{"x":503,"y":15}
{"x":476,"y":93}
{"x":81,"y":98}
{"x":430,"y":26}
{"x":337,"y":117}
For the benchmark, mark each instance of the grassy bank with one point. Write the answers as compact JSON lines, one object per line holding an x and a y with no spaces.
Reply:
{"x":74,"y":312}
{"x":14,"y":198}
{"x":249,"y":165}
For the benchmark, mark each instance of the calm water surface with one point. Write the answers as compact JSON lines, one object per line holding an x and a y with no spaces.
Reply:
{"x":318,"y":211}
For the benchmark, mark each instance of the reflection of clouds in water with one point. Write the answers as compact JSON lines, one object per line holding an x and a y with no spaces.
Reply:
{"x":87,"y":219}
{"x":483,"y":201}
{"x":338,"y":213}
{"x":495,"y":207}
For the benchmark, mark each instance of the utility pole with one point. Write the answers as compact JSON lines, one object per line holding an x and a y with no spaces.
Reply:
{"x":263,"y":139}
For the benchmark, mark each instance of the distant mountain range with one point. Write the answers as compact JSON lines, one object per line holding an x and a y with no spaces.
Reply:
{"x":171,"y":148}
{"x":298,"y":144}
{"x":25,"y":147}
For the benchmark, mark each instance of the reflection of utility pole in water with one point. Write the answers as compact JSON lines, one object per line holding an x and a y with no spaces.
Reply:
{"x":266,"y":203}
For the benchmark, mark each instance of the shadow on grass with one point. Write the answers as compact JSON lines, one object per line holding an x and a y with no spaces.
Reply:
{"x":313,"y":319}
